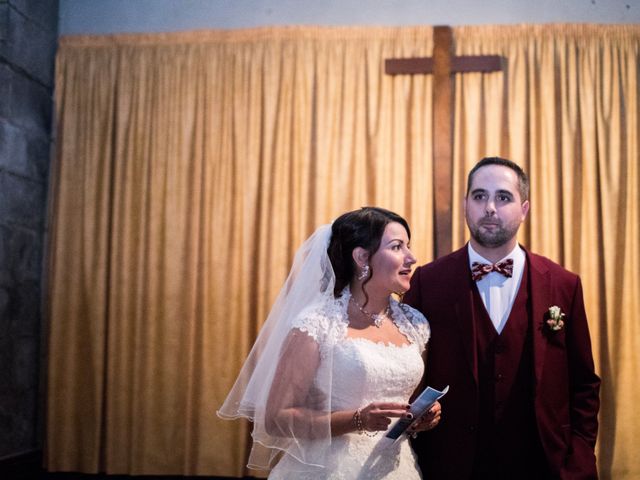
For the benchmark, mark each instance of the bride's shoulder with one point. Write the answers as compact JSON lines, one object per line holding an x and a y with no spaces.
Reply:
{"x":414,"y":316}
{"x":419,"y":325}
{"x":321,"y":319}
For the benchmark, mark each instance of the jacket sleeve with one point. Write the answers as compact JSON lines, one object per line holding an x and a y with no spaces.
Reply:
{"x":584,"y":394}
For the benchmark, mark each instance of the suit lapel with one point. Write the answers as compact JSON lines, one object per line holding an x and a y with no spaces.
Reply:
{"x":463,"y":308}
{"x":540,"y":288}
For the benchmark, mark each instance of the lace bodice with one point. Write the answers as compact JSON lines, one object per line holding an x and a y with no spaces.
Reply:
{"x":365,"y":372}
{"x":327,"y":323}
{"x":361,"y":372}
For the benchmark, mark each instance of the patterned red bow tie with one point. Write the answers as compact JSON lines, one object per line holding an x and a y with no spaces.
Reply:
{"x":479,"y":270}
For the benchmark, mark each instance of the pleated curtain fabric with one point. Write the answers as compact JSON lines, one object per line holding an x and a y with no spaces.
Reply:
{"x":190,"y":166}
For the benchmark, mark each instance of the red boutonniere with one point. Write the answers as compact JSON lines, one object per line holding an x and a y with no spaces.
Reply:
{"x":554,"y":320}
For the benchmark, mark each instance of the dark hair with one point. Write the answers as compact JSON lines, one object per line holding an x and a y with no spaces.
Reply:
{"x":359,"y":228}
{"x":523,"y":179}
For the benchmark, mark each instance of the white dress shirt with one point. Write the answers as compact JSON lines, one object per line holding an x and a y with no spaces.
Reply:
{"x":497,"y":291}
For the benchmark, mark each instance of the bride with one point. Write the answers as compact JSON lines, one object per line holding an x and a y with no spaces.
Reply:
{"x":338,"y":359}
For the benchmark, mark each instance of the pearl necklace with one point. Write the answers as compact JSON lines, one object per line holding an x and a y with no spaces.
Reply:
{"x":376,"y":318}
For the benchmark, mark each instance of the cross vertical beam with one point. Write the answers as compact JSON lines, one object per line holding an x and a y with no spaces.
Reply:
{"x":442,"y":138}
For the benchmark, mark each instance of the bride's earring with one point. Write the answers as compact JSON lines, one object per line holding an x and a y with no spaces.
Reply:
{"x":364,"y":273}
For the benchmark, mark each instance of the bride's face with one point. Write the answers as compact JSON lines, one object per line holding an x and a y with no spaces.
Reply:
{"x":392,"y":262}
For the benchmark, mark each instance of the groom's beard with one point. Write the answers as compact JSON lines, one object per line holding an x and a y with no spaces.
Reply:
{"x":498,"y":236}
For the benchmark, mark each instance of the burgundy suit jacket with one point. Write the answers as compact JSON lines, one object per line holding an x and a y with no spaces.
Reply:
{"x":565,"y":384}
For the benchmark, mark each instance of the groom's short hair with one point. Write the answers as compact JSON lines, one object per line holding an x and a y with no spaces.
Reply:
{"x":523,"y":179}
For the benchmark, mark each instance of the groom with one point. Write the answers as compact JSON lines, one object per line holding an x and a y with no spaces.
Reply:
{"x":523,"y":401}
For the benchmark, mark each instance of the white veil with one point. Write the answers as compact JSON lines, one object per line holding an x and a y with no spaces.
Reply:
{"x":281,"y":372}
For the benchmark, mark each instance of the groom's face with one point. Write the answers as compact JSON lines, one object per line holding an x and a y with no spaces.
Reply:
{"x":493,"y":208}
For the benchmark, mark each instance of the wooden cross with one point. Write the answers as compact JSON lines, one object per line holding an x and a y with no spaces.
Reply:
{"x":443,"y":64}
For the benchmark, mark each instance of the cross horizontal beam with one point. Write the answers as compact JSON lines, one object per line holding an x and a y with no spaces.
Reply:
{"x":443,"y":64}
{"x":462,"y":64}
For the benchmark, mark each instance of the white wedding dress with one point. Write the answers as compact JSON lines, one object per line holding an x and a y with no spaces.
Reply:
{"x":364,"y":372}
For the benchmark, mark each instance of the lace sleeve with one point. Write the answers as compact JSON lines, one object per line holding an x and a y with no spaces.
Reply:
{"x":313,"y":322}
{"x":324,"y":323}
{"x":418,"y":329}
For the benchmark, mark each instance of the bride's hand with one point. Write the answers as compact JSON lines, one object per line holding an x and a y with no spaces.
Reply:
{"x":428,"y":421}
{"x":377,"y":415}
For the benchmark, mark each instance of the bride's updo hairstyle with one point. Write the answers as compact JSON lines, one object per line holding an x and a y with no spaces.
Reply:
{"x":359,"y":228}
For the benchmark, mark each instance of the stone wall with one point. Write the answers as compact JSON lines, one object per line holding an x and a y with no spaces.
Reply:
{"x":28,"y":39}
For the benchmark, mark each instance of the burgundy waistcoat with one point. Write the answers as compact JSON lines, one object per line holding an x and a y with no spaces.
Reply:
{"x":508,"y":441}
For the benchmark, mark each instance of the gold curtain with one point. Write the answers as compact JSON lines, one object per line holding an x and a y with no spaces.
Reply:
{"x":190,"y":166}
